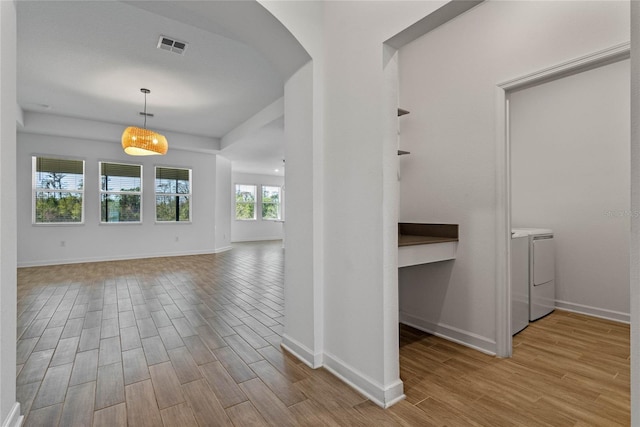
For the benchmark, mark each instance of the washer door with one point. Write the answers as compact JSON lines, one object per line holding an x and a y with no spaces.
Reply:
{"x":543,"y":287}
{"x":544,"y":261}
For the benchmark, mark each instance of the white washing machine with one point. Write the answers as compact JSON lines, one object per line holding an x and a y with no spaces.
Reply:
{"x":542,"y":267}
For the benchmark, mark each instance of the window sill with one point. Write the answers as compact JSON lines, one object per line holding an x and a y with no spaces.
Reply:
{"x":172,"y":222}
{"x":56,"y":224}
{"x":120,"y":223}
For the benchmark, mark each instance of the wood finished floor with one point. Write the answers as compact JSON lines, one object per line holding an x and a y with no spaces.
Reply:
{"x":194,"y":341}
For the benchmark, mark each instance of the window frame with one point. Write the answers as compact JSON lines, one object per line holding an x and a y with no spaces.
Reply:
{"x":35,"y":189}
{"x":102,"y":192}
{"x":189,"y":195}
{"x":255,"y":202}
{"x":262,"y":202}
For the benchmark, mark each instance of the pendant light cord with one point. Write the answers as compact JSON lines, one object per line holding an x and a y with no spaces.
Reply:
{"x":145,"y":110}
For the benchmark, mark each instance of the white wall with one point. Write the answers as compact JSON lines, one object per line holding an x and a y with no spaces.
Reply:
{"x":9,"y":408}
{"x":570,"y":172}
{"x":258,"y":229}
{"x":223,"y":204}
{"x":41,"y":244}
{"x":448,"y":81}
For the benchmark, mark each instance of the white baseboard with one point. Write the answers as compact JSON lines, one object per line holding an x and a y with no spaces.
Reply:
{"x":459,"y":336}
{"x":223,"y":249}
{"x":302,"y":352}
{"x":381,"y":396}
{"x":374,"y":391}
{"x":111,"y":258}
{"x":14,"y":419}
{"x":256,"y":239}
{"x":616,"y":316}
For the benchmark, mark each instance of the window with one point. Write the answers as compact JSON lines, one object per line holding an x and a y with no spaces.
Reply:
{"x":173,"y":194}
{"x":270,"y":202}
{"x":58,"y":191}
{"x":246,"y":202}
{"x":120,"y":192}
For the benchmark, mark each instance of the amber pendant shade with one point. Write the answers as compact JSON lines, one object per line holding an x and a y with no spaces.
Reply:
{"x":143,"y":142}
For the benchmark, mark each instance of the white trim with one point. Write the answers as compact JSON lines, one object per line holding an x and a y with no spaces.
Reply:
{"x":610,"y":55}
{"x":222,"y":249}
{"x":113,"y":258}
{"x":602,"y":313}
{"x":503,"y":174}
{"x":35,"y":189}
{"x":459,"y":336}
{"x":504,"y":343}
{"x":256,"y":239}
{"x":374,"y":391}
{"x":102,"y":192}
{"x":188,"y":195}
{"x":302,"y":352}
{"x":14,"y":419}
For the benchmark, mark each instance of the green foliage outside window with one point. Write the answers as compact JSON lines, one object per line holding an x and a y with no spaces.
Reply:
{"x":173,"y":194}
{"x":58,"y":190}
{"x":270,"y":202}
{"x":120,"y":192}
{"x":58,"y":207}
{"x":245,"y":202}
{"x":168,"y":208}
{"x":120,"y":207}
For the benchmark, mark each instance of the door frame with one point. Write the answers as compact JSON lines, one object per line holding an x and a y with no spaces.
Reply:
{"x":503,"y":174}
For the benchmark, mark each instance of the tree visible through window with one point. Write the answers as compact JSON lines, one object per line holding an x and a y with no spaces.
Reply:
{"x":120,"y":192}
{"x":58,"y":190}
{"x":245,"y":202}
{"x":270,"y":202}
{"x":173,"y":194}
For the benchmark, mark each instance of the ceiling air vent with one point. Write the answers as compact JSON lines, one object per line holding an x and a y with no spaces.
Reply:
{"x":172,"y":45}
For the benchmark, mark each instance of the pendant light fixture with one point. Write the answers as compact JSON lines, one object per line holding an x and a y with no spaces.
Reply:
{"x":142,"y":141}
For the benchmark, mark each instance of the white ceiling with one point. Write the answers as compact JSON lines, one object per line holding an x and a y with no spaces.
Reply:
{"x":89,"y":59}
{"x":261,"y":152}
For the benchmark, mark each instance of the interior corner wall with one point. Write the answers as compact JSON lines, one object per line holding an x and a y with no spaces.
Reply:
{"x":258,"y":229}
{"x":303,"y":307}
{"x":9,"y":408}
{"x":93,"y":241}
{"x":569,"y":144}
{"x":223,"y":204}
{"x":391,"y":202}
{"x":448,"y":80}
{"x":634,"y":246}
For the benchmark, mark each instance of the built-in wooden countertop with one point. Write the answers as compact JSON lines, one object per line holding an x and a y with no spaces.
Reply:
{"x":409,"y":240}
{"x":426,"y":243}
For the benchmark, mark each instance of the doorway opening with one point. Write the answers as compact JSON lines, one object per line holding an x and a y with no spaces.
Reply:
{"x":505,"y":174}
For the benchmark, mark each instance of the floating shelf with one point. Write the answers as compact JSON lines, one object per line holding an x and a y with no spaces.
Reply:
{"x":402,"y":112}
